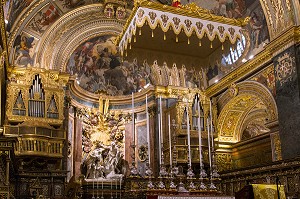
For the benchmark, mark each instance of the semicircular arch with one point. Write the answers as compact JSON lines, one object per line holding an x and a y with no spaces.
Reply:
{"x":251,"y":100}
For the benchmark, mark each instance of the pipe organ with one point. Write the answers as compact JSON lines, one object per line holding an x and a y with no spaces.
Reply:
{"x":35,"y":111}
{"x":36,"y":102}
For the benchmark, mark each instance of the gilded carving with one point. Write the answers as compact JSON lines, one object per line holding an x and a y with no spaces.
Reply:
{"x":21,"y":80}
{"x":233,"y":90}
{"x":285,"y":68}
{"x":276,"y":146}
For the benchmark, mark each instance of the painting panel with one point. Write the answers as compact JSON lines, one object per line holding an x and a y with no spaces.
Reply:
{"x":24,"y":46}
{"x":258,"y":29}
{"x":44,"y":18}
{"x":67,"y":5}
{"x":17,"y":6}
{"x":98,"y":67}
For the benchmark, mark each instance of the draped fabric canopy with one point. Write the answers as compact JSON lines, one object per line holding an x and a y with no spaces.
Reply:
{"x":189,"y":27}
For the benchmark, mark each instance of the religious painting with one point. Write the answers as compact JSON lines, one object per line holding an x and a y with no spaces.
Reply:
{"x":267,"y":78}
{"x":16,"y":7}
{"x":258,"y":29}
{"x":98,"y":66}
{"x":24,"y":46}
{"x":192,"y":78}
{"x":67,"y":5}
{"x":44,"y":18}
{"x":6,"y":9}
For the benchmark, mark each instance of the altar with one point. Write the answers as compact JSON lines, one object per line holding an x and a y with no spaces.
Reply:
{"x":120,"y":156}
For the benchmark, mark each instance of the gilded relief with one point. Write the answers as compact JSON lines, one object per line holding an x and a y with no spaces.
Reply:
{"x":230,"y":123}
{"x":285,"y":68}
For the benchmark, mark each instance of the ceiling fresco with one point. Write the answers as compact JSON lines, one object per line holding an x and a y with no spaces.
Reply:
{"x":104,"y":57}
{"x":97,"y":65}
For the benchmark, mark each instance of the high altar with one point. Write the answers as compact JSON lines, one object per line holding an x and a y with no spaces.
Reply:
{"x":149,"y":99}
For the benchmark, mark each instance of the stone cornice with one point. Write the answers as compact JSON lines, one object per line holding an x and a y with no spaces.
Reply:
{"x":287,"y":39}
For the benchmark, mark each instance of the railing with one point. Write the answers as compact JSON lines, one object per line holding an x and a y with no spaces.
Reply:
{"x":37,"y":141}
{"x":287,"y":172}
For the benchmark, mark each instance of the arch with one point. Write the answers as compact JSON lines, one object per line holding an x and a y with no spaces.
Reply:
{"x":68,"y":32}
{"x":250,"y":101}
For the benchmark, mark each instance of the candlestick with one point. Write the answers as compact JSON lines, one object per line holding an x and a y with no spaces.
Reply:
{"x":202,"y":171}
{"x":132,"y":111}
{"x":97,"y":188}
{"x":102,"y":190}
{"x":161,"y":114}
{"x":116,"y":188}
{"x":211,"y":127}
{"x":188,"y":134}
{"x":148,"y":130}
{"x":208,"y":140}
{"x":159,"y":139}
{"x":133,"y":171}
{"x":200,"y":137}
{"x":170,"y":144}
{"x":111,"y":188}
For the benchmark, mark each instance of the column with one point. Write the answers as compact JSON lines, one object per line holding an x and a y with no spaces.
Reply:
{"x":77,"y":144}
{"x":287,"y":71}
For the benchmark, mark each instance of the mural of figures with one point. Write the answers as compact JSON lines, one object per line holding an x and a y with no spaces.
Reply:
{"x":98,"y":66}
{"x":44,"y":18}
{"x":24,"y":49}
{"x":7,"y":8}
{"x":66,"y":5}
{"x":15,"y":9}
{"x":258,"y":28}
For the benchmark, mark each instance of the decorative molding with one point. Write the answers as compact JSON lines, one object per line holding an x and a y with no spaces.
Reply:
{"x":289,"y":37}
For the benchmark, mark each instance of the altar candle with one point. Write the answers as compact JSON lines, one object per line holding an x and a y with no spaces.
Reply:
{"x":208,"y":140}
{"x":159,"y":139}
{"x":211,"y":127}
{"x":200,"y":136}
{"x":170,"y":143}
{"x":161,"y":114}
{"x":133,"y":133}
{"x":148,"y":129}
{"x":116,"y":188}
{"x":188,"y":133}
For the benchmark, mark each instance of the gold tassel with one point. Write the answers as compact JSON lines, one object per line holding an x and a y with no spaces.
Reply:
{"x":165,"y":37}
{"x":126,"y":54}
{"x":140,"y":31}
{"x":188,"y":40}
{"x":152,"y":35}
{"x":176,"y":38}
{"x":200,"y":44}
{"x":211,"y":45}
{"x":222,"y":47}
{"x":134,"y":39}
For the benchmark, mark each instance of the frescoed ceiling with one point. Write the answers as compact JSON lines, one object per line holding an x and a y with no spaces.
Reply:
{"x":48,"y":33}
